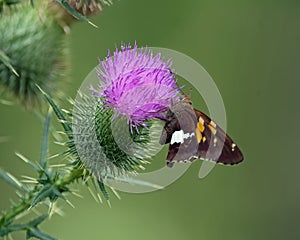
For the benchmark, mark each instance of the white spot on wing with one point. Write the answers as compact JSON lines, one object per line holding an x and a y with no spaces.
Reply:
{"x":233,"y":147}
{"x":179,"y":136}
{"x":215,"y":142}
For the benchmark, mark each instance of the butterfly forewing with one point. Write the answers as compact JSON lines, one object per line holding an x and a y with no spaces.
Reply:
{"x":215,"y":144}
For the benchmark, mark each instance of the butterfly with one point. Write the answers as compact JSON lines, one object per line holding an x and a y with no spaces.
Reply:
{"x":193,"y":135}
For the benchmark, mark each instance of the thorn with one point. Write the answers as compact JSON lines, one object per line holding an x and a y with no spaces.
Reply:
{"x":15,"y":72}
{"x":53,"y":156}
{"x":116,"y":193}
{"x":54,"y":209}
{"x":28,"y":178}
{"x":19,"y":194}
{"x":65,"y":111}
{"x":60,"y":143}
{"x":22,"y":157}
{"x":77,"y":194}
{"x":100,"y":198}
{"x":29,"y":181}
{"x":94,"y":25}
{"x":71,"y":100}
{"x":68,"y":202}
{"x":39,"y":88}
{"x":58,"y":165}
{"x":14,"y":179}
{"x":93,"y":195}
{"x":50,"y":212}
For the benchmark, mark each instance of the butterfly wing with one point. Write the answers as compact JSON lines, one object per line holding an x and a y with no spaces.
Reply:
{"x":214,"y":143}
{"x":209,"y":141}
{"x":179,"y":132}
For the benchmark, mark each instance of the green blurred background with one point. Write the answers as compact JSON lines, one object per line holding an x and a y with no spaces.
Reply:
{"x":251,"y":49}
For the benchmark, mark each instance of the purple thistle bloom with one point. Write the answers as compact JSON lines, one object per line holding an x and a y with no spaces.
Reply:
{"x":136,"y":84}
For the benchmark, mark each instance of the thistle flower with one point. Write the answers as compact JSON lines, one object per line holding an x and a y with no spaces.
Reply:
{"x":67,"y":12}
{"x":36,"y":48}
{"x":136,"y":84}
{"x":88,"y":7}
{"x":135,"y":87}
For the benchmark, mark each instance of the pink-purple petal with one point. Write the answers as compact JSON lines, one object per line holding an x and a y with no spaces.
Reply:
{"x":136,"y":84}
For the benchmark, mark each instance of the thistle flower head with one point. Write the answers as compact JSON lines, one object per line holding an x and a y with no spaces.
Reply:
{"x":136,"y":84}
{"x":36,"y":48}
{"x":88,"y":7}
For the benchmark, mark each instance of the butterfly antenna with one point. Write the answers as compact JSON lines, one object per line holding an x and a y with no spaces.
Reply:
{"x":180,"y":89}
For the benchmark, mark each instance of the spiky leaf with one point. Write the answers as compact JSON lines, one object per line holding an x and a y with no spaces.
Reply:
{"x":12,"y":180}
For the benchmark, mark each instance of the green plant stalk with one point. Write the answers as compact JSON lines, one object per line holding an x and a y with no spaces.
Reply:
{"x":75,"y":174}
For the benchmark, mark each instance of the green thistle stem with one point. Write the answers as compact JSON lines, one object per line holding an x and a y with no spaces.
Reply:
{"x":15,"y":211}
{"x":60,"y":183}
{"x":75,"y":174}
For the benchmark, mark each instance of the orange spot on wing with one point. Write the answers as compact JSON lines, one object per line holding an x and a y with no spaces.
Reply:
{"x":200,"y":126}
{"x":199,"y":135}
{"x":212,"y":129}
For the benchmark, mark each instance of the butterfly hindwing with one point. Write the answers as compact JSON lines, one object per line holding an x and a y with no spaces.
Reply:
{"x":179,"y":132}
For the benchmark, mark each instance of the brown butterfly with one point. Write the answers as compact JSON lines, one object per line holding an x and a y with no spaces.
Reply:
{"x":193,"y":135}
